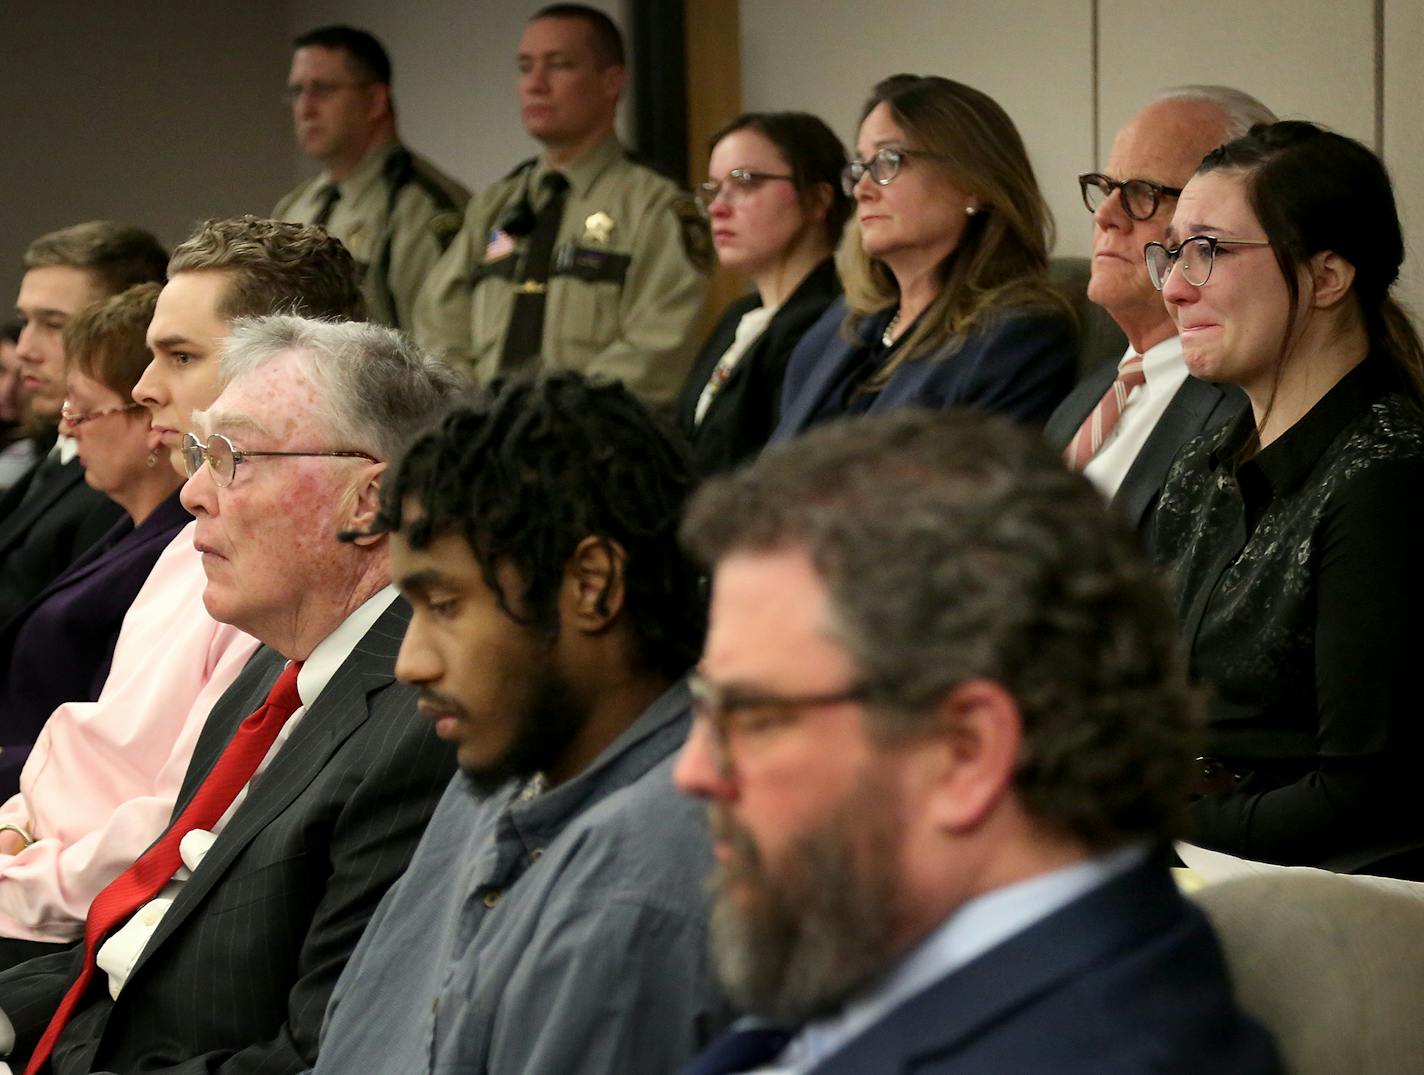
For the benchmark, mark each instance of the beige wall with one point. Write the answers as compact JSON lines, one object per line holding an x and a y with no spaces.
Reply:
{"x":163,"y":112}
{"x":823,"y":56}
{"x":159,"y":113}
{"x":1311,"y":59}
{"x":1404,"y":133}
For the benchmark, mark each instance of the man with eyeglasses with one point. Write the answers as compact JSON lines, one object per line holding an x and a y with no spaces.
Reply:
{"x":1124,"y":423}
{"x":553,"y":919}
{"x":311,"y":779}
{"x":129,"y":749}
{"x":395,"y":211}
{"x":943,"y":733}
{"x":582,"y":258}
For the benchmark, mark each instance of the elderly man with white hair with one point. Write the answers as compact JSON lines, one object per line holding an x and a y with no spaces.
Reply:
{"x":1123,"y":424}
{"x":312,"y":780}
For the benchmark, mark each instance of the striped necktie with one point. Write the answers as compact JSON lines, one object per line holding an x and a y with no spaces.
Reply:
{"x":1099,"y":425}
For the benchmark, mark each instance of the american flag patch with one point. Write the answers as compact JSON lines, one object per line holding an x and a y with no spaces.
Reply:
{"x":499,"y":245}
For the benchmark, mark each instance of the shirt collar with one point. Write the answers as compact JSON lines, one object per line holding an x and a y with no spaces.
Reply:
{"x":973,"y":929}
{"x":1286,"y":462}
{"x":331,"y":652}
{"x":655,"y":735}
{"x":1161,"y":360}
{"x":584,"y":172}
{"x":366,"y":174}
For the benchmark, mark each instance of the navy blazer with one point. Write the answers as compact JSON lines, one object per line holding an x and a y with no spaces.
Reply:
{"x":58,"y":647}
{"x":237,"y":975}
{"x":1020,"y":364}
{"x":744,"y":412}
{"x":40,"y":538}
{"x":1127,"y":979}
{"x":1197,"y":407}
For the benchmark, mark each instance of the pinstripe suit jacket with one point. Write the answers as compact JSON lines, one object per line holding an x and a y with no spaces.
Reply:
{"x":236,"y":978}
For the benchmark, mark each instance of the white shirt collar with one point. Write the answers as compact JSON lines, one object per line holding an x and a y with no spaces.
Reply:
{"x":331,"y":652}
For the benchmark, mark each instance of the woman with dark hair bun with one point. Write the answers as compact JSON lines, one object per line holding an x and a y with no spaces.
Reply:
{"x":945,"y":269}
{"x":1293,"y":535}
{"x":774,"y":200}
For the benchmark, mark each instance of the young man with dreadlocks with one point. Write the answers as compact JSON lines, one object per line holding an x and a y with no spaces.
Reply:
{"x":553,"y":917}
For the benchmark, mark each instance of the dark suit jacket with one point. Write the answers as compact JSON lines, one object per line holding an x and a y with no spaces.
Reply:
{"x":58,"y":647}
{"x":1197,"y":407}
{"x":1020,"y":365}
{"x":42,"y":538}
{"x":238,"y":974}
{"x":741,"y":416}
{"x":1125,"y":980}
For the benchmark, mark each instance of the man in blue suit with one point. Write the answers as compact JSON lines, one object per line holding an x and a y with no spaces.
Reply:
{"x":943,"y":732}
{"x":1127,"y":451}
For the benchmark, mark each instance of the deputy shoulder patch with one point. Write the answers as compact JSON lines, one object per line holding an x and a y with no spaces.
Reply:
{"x":696,"y":236}
{"x":444,"y":226}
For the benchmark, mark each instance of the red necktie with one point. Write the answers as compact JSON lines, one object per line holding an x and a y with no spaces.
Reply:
{"x":156,"y":866}
{"x":1098,"y":426}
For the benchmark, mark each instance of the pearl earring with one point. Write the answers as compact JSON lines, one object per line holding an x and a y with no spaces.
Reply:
{"x":970,"y":210}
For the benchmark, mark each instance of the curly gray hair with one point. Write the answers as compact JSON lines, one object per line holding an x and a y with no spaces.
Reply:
{"x":956,"y":546}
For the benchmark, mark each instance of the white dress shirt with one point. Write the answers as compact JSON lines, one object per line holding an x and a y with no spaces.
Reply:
{"x":1165,"y":369}
{"x":120,"y":952}
{"x":749,"y":329}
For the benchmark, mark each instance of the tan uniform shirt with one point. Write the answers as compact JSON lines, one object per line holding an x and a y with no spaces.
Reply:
{"x":397,"y":214}
{"x":628,"y":279}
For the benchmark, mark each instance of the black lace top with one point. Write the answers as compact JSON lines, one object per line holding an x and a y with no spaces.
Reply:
{"x":1298,"y":579}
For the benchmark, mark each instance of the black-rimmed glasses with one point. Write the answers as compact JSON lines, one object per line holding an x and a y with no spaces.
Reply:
{"x":1140,"y":197}
{"x":736,"y":715}
{"x":79,"y":418}
{"x":882,"y":167}
{"x":223,"y":458}
{"x":1196,"y":255}
{"x":738,"y":182}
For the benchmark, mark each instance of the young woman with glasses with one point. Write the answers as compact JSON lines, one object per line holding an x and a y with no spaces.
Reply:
{"x":945,"y":268}
{"x":1293,"y":534}
{"x":774,"y":201}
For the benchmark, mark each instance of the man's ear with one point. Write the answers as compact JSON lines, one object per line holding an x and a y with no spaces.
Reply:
{"x":378,"y":102}
{"x":1331,"y":278}
{"x":615,"y":80}
{"x":366,"y":503}
{"x":593,"y":585}
{"x":979,"y":734}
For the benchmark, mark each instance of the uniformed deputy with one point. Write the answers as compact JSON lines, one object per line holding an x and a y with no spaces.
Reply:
{"x":396,"y":212}
{"x":583,"y":258}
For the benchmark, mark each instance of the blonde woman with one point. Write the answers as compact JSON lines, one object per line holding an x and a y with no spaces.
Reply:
{"x":945,"y":268}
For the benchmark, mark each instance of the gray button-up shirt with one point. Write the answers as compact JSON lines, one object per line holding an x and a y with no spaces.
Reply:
{"x":556,"y":933}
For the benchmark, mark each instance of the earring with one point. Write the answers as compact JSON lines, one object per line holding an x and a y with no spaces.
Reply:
{"x":152,"y":458}
{"x":970,"y":210}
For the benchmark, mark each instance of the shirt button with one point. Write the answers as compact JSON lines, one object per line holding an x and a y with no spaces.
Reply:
{"x":150,"y":917}
{"x":491,"y":898}
{"x":535,"y":853}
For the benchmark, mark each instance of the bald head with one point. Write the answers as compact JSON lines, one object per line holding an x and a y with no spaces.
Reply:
{"x":1163,"y":144}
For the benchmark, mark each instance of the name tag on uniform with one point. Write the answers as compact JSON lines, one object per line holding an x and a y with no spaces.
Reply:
{"x":592,"y":266}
